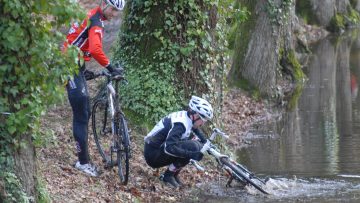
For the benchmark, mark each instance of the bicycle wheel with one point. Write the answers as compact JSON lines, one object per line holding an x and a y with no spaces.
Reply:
{"x":245,"y":175}
{"x":123,"y":150}
{"x":101,"y":125}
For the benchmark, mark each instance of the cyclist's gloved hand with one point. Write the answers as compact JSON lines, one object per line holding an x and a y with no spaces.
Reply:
{"x":197,"y":156}
{"x":205,"y":147}
{"x":89,"y":75}
{"x":115,"y":70}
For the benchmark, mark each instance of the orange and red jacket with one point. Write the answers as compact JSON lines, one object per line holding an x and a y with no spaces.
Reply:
{"x":88,"y":37}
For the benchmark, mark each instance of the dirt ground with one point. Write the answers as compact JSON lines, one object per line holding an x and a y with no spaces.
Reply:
{"x":66,"y":184}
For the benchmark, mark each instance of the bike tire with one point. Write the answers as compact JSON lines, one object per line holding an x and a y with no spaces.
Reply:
{"x":101,"y":125}
{"x":123,"y":150}
{"x":245,"y":174}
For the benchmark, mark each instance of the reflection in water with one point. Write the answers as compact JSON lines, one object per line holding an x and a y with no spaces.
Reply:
{"x":317,"y":137}
{"x":320,"y":137}
{"x":318,"y":141}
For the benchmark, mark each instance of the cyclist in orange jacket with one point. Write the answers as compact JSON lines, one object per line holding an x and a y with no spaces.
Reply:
{"x":88,"y":37}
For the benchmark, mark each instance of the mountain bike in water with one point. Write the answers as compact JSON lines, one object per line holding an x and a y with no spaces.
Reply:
{"x":235,"y":170}
{"x":109,"y":126}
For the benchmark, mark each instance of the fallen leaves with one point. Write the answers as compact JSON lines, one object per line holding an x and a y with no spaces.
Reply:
{"x":66,"y":184}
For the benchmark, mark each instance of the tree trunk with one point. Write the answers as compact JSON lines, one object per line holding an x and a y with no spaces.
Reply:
{"x":174,"y":47}
{"x":357,"y":5}
{"x":341,"y":6}
{"x":25,"y":165}
{"x":322,"y":11}
{"x":262,"y":41}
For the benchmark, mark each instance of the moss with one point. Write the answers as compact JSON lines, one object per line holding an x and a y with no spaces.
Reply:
{"x":244,"y":84}
{"x":297,"y":71}
{"x":337,"y":23}
{"x":294,"y":98}
{"x":242,"y":40}
{"x":232,"y":36}
{"x":281,"y":52}
{"x":354,"y":16}
{"x":304,"y":10}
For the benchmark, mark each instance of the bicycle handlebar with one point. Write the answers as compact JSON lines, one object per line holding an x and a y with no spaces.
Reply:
{"x":101,"y":73}
{"x":217,"y":131}
{"x":109,"y":76}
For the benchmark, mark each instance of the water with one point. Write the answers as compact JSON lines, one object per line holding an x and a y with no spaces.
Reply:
{"x":312,"y":152}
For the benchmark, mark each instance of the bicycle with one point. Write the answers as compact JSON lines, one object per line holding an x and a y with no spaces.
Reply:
{"x":235,"y":170}
{"x":109,"y":126}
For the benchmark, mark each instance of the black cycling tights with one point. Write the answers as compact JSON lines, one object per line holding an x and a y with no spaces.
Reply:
{"x":79,"y":99}
{"x":156,"y":157}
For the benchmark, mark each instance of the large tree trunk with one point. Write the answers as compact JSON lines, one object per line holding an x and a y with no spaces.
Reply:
{"x":357,"y":5}
{"x":321,"y":12}
{"x":324,"y":10}
{"x":261,"y":42}
{"x":174,"y":47}
{"x":25,"y":165}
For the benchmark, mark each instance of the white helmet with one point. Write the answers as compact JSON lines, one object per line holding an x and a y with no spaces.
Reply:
{"x":118,"y":4}
{"x":202,"y":107}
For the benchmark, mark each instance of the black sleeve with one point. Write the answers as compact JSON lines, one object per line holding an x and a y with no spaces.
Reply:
{"x":96,"y":21}
{"x":199,"y":134}
{"x":180,"y":148}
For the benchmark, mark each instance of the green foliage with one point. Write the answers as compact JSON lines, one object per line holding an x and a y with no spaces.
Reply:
{"x":233,"y":15}
{"x":12,"y":188}
{"x":32,"y":72}
{"x":169,"y":50}
{"x":43,"y":195}
{"x":279,"y":14}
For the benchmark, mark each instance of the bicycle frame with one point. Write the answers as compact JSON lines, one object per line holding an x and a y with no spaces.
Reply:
{"x":113,"y":125}
{"x":111,"y":96}
{"x":235,"y":170}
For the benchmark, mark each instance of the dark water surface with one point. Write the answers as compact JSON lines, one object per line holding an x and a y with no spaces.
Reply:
{"x":312,"y":152}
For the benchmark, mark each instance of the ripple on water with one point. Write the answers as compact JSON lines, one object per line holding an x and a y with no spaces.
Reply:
{"x":288,"y":190}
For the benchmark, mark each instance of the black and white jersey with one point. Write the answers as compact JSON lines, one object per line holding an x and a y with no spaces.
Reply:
{"x":174,"y":128}
{"x":161,"y":130}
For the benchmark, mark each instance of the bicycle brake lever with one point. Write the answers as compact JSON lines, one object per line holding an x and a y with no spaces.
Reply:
{"x":218,"y":131}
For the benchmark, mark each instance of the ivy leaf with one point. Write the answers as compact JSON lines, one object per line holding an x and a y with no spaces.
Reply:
{"x":185,"y":51}
{"x":12,"y":129}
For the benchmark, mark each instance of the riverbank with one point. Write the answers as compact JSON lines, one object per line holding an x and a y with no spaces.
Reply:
{"x":66,"y":184}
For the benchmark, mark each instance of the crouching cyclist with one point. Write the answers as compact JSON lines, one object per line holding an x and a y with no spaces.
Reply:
{"x":169,"y":143}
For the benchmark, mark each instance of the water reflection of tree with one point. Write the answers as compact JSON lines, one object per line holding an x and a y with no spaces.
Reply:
{"x":321,"y":134}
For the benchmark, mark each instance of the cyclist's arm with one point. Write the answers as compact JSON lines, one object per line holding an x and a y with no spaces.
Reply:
{"x":95,"y":46}
{"x":174,"y":139}
{"x":199,"y":134}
